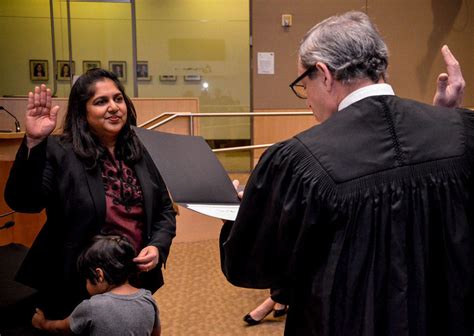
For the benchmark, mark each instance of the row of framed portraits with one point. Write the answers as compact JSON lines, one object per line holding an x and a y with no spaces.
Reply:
{"x":39,"y":69}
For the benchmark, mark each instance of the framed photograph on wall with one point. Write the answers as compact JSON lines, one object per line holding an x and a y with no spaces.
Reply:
{"x":119,"y":68}
{"x":192,"y":78}
{"x":87,"y":65}
{"x":168,"y":78}
{"x":142,"y":71}
{"x":64,"y":70}
{"x":39,"y":70}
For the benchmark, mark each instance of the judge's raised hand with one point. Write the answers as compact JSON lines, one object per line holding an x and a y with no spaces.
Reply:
{"x":450,"y":90}
{"x":40,"y":117}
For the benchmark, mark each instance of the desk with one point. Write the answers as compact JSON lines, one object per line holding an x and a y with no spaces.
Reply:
{"x":9,"y":143}
{"x":26,"y":226}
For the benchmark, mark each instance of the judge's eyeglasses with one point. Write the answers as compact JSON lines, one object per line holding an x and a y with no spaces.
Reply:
{"x":299,"y":89}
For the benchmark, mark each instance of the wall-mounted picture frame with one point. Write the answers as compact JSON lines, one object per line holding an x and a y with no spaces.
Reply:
{"x":64,"y":70}
{"x":87,"y":65}
{"x":168,"y":78}
{"x":192,"y":78}
{"x":39,"y":70}
{"x":142,"y":71}
{"x":119,"y":68}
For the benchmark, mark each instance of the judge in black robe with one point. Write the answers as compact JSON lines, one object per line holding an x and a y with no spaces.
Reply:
{"x":366,"y":218}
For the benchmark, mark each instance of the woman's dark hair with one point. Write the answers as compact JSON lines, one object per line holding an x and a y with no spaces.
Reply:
{"x":113,"y":254}
{"x":76,"y":128}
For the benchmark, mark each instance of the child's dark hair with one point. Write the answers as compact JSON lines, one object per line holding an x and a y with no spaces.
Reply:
{"x":113,"y":254}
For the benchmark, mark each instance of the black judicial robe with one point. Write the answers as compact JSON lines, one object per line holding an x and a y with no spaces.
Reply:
{"x":368,"y":219}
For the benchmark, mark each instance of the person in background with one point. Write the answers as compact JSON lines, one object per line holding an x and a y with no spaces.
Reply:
{"x":142,"y":71}
{"x":96,"y":177}
{"x":39,"y":70}
{"x":115,"y":306}
{"x":65,"y":70}
{"x":118,"y":70}
{"x":367,"y":217}
{"x":275,"y":303}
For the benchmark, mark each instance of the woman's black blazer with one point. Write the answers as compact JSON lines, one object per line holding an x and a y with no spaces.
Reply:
{"x":53,"y":177}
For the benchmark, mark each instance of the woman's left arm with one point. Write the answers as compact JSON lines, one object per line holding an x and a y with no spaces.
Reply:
{"x":162,"y":233}
{"x":163,"y":225}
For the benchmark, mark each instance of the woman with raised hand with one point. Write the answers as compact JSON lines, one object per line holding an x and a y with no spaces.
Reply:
{"x":96,"y":177}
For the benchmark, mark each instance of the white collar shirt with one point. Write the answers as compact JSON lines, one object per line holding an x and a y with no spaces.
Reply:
{"x":382,"y":89}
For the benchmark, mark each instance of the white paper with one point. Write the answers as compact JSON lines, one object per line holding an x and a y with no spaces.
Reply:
{"x":223,"y":211}
{"x":266,"y":63}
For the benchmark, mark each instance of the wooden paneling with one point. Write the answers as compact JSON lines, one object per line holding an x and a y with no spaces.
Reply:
{"x":148,"y":108}
{"x":17,"y":107}
{"x":9,"y":143}
{"x":415,"y":40}
{"x":26,"y":226}
{"x":271,"y":129}
{"x":6,"y":235}
{"x":193,"y":226}
{"x":272,"y":91}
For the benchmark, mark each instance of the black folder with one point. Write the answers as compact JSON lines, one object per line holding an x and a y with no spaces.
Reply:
{"x":193,"y":175}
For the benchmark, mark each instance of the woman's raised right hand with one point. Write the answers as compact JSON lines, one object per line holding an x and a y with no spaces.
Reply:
{"x":40,"y":116}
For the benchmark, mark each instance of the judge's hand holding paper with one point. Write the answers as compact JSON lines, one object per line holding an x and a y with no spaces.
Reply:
{"x":194,"y":176}
{"x":238,"y":188}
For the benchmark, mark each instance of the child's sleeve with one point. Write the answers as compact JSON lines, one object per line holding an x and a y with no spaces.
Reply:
{"x":157,"y":325}
{"x":80,"y":319}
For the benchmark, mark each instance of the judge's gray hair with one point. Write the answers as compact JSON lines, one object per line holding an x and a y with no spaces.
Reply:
{"x":349,"y":45}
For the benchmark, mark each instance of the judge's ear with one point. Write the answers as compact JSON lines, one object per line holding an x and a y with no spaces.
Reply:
{"x":100,"y":275}
{"x":327,"y":76}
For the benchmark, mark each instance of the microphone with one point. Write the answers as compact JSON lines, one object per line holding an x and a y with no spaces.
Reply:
{"x":17,"y":123}
{"x":7,"y":225}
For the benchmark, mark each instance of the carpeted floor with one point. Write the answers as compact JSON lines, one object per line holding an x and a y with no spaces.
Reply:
{"x":197,"y":299}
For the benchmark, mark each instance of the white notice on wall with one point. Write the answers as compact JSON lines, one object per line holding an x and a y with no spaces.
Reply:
{"x":266,"y":63}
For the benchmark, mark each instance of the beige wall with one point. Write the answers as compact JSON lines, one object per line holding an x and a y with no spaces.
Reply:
{"x":414,"y":30}
{"x":206,"y":37}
